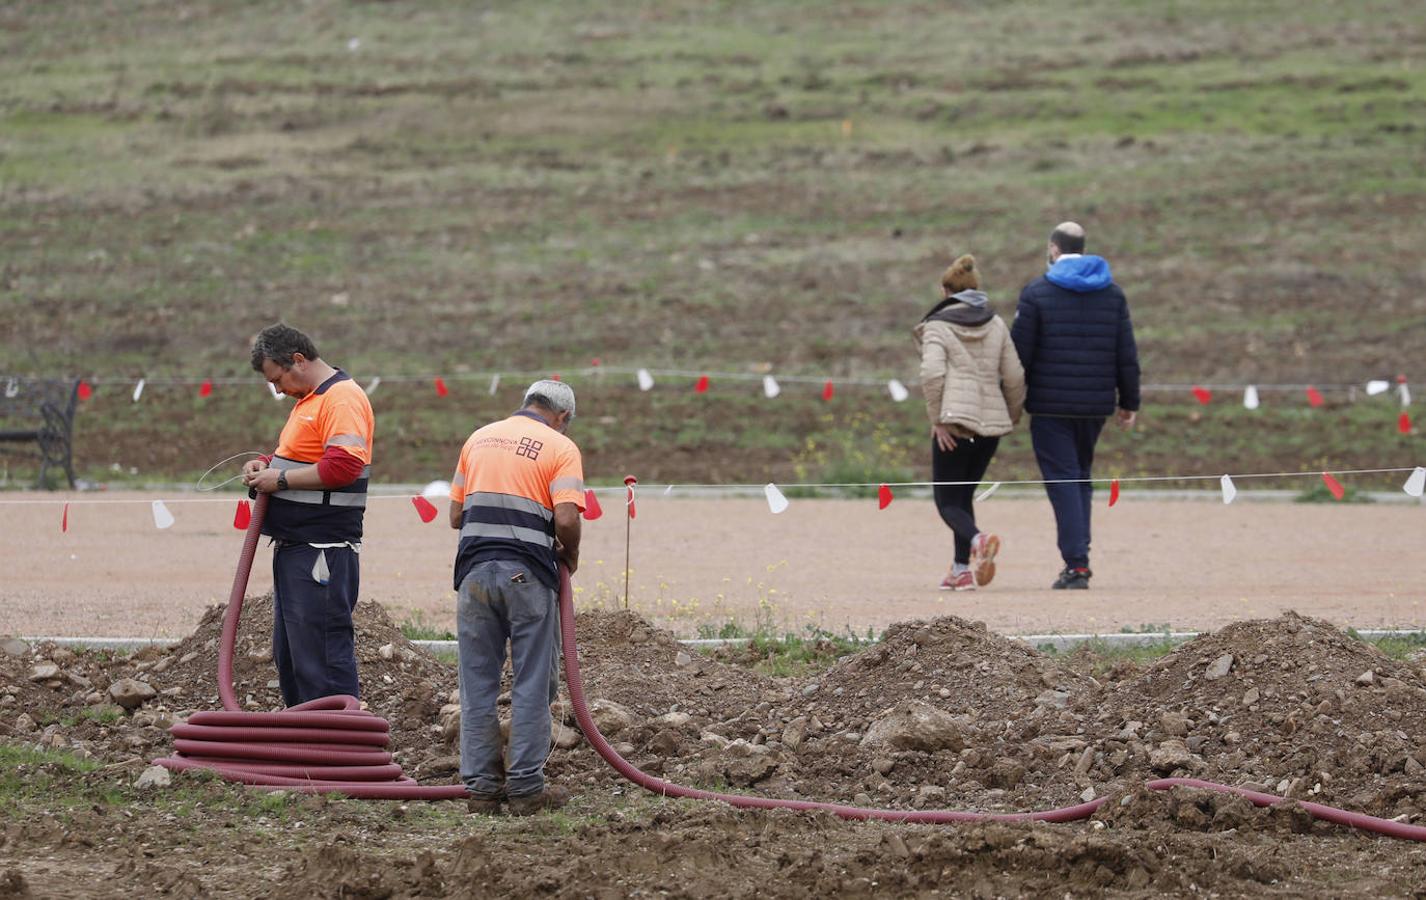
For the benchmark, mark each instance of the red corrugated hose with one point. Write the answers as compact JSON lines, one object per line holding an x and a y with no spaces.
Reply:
{"x":332,"y":745}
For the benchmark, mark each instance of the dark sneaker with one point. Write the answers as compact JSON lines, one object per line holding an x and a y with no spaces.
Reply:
{"x":1073,"y":580}
{"x":983,"y":548}
{"x":552,"y":797}
{"x":483,"y":806}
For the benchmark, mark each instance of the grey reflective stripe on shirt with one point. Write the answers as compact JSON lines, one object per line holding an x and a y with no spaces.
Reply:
{"x":507,"y":501}
{"x":346,"y":440}
{"x":508,"y":532}
{"x":282,"y":464}
{"x":566,"y":484}
{"x":329,"y":498}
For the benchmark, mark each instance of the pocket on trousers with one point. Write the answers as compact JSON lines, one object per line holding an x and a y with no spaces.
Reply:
{"x":527,"y":602}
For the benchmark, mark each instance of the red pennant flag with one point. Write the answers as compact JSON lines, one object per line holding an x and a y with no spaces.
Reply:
{"x":884,"y":496}
{"x":592,"y":509}
{"x":1204,"y":395}
{"x":828,"y":391}
{"x":629,"y":482}
{"x":701,"y":385}
{"x":242,"y":516}
{"x":206,"y":388}
{"x":1333,"y":485}
{"x":64,"y":520}
{"x":1113,"y":492}
{"x":441,"y":390}
{"x":85,"y":390}
{"x":1403,"y":424}
{"x":1314,"y":397}
{"x":424,"y":508}
{"x":555,"y":377}
{"x":594,"y":362}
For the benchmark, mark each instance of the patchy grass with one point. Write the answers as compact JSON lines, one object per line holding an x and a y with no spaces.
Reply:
{"x":784,"y":654}
{"x":688,"y":187}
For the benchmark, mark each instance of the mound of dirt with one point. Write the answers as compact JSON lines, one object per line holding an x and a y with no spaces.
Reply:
{"x":399,"y":681}
{"x":1292,"y":705}
{"x":939,"y":714}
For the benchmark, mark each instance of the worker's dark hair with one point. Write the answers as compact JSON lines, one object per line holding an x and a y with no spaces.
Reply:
{"x":278,"y":343}
{"x":1068,"y":243}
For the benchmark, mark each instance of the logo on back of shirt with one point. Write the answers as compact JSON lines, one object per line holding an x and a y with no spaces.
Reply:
{"x":529,"y":447}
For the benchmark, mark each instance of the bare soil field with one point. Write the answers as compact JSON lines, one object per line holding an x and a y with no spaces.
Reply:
{"x":834,"y":564}
{"x":1288,"y":704}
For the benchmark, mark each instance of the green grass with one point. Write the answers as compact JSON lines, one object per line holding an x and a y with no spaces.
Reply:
{"x":416,"y":628}
{"x":784,"y":654}
{"x":718,"y":188}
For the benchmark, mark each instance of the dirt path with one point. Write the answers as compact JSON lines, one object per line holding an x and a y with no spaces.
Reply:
{"x":837,"y":563}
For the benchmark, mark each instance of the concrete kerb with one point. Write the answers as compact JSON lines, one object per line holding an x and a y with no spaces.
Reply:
{"x":1059,"y":642}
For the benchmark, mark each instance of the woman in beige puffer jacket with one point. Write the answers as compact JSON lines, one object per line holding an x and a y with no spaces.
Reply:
{"x":975,"y":392}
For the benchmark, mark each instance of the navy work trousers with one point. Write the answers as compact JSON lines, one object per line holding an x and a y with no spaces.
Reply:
{"x":956,"y":502}
{"x":1064,"y":448}
{"x":313,"y":644}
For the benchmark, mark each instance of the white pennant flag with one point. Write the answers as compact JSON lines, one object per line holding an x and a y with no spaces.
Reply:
{"x":770,"y":387}
{"x":162,"y":518}
{"x":668,"y":490}
{"x":1250,"y":397}
{"x":988,"y":491}
{"x":272,"y":389}
{"x":1405,"y":393}
{"x":494,"y":384}
{"x":775,"y":501}
{"x":320,"y":573}
{"x":372,"y":385}
{"x":1377,"y":387}
{"x":1229,"y":492}
{"x":12,"y":388}
{"x":898,"y":390}
{"x":1416,"y":484}
{"x":646,"y":380}
{"x":138,"y":390}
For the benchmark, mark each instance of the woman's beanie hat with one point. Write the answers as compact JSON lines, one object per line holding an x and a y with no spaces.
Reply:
{"x":961,"y":276}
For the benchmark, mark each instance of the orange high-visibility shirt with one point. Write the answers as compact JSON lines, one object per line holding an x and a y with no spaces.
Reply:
{"x":510,"y":476}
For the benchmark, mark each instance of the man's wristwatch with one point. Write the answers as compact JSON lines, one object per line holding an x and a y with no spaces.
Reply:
{"x":282,"y":481}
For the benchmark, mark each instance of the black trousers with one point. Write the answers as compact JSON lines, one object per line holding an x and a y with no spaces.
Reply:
{"x":956,"y":503}
{"x":313,"y":644}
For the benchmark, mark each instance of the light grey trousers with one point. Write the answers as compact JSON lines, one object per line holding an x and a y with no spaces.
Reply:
{"x":502,"y":601}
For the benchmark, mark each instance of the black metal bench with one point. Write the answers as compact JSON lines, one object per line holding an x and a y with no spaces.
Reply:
{"x":40,"y":411}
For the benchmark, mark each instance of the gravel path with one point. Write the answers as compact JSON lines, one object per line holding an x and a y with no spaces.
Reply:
{"x":835,"y":563}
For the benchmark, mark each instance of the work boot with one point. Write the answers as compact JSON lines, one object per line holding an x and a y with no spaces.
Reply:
{"x":552,"y":797}
{"x":483,"y":806}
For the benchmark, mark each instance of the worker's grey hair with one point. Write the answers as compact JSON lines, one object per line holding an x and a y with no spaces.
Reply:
{"x":556,"y":396}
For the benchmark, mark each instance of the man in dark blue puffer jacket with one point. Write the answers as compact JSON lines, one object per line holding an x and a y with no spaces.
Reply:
{"x":1076,"y":342}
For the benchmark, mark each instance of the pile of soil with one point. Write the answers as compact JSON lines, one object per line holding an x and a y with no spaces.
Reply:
{"x":1284,"y":704}
{"x":400,"y":682}
{"x":1289,"y":705}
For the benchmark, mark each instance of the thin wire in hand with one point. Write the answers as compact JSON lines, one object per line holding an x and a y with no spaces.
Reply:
{"x":198,"y":485}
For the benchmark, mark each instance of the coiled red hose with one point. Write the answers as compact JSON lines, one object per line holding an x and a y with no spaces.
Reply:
{"x":323,"y":746}
{"x":332,"y":745}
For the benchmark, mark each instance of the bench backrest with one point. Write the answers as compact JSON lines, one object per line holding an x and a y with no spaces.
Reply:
{"x":29,"y":402}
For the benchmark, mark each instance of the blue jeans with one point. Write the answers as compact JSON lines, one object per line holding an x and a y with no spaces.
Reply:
{"x":502,"y":601}
{"x":313,"y":644}
{"x":1064,"y":448}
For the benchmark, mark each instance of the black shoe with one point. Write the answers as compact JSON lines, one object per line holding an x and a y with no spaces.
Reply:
{"x":1073,"y":580}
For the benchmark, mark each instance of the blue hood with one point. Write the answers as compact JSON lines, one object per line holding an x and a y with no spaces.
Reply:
{"x":1081,"y":274}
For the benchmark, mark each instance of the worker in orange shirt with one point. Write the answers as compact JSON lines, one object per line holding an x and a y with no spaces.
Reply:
{"x":317,"y":479}
{"x":516,"y":497}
